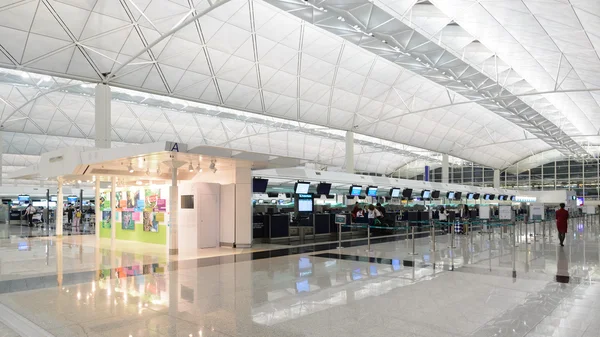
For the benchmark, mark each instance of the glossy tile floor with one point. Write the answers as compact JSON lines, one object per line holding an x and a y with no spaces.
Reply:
{"x":468,"y":290}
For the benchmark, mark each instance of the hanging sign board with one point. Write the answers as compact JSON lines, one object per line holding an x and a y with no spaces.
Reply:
{"x":340,"y":219}
{"x":536,"y":212}
{"x":484,"y":211}
{"x":505,"y":212}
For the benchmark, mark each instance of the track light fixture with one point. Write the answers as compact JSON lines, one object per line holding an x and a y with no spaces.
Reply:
{"x":198,"y":168}
{"x":158,"y":170}
{"x":190,"y":168}
{"x":130,"y":168}
{"x":213,"y":166}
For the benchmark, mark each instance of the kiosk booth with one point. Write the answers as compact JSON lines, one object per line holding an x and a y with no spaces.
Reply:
{"x":162,"y":193}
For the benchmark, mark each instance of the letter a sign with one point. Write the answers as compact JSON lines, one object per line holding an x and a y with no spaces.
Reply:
{"x":175,"y":147}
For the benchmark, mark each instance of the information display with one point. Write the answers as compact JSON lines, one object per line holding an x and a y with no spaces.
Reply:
{"x":305,"y":203}
{"x":355,"y":190}
{"x":470,"y":196}
{"x":407,"y":193}
{"x":340,"y":219}
{"x":323,"y":188}
{"x":426,"y":194}
{"x":450,"y":195}
{"x":301,"y":187}
{"x":395,"y":192}
{"x":372,"y":191}
{"x":259,"y":185}
{"x":484,"y":212}
{"x":23,"y":199}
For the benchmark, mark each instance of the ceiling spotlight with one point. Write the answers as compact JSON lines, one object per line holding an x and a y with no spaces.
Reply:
{"x":198,"y":168}
{"x":190,"y":168}
{"x":158,"y":170}
{"x":130,"y":168}
{"x":213,"y":166}
{"x":148,"y":171}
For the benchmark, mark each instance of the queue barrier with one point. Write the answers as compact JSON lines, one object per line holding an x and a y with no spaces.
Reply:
{"x":432,"y":225}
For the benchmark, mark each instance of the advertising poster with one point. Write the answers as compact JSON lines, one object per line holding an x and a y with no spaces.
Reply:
{"x":122,"y":204}
{"x":150,"y":222}
{"x":104,"y":200}
{"x":119,"y":197}
{"x":127,"y":221}
{"x":106,"y":216}
{"x":161,"y":204}
{"x":139,"y":207}
{"x":131,"y":199}
{"x":160,"y":217}
{"x":151,"y":197}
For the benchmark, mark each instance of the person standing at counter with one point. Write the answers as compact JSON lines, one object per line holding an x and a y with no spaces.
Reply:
{"x":357,"y":212}
{"x":374,"y":215}
{"x":562,"y":215}
{"x":70,"y":211}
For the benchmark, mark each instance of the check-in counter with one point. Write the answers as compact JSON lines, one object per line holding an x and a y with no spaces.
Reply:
{"x":276,"y":227}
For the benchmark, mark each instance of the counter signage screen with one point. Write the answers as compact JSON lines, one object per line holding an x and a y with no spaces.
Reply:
{"x":372,"y":191}
{"x":323,"y":188}
{"x":355,"y":190}
{"x":457,"y":195}
{"x":72,"y":199}
{"x":305,"y":203}
{"x":579,"y":202}
{"x":435,"y":194}
{"x":23,"y":199}
{"x":476,"y":196}
{"x":486,"y":197}
{"x":395,"y":193}
{"x":301,"y":187}
{"x":469,"y":196}
{"x":407,"y":192}
{"x":513,"y":198}
{"x":426,"y":194}
{"x":259,"y":185}
{"x":450,"y":195}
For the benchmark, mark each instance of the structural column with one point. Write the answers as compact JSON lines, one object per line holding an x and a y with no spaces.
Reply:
{"x":97,"y":210}
{"x":174,"y":213}
{"x":445,"y":169}
{"x":243,"y":206}
{"x":1,"y":155}
{"x":349,"y":152}
{"x":496,"y":178}
{"x":113,"y":209}
{"x":103,"y":113}
{"x":59,"y":208}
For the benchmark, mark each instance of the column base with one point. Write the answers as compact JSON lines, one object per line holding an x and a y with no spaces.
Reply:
{"x":239,"y":245}
{"x":173,"y":251}
{"x":227,"y":244}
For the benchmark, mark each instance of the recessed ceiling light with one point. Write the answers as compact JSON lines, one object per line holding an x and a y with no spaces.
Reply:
{"x":190,"y":168}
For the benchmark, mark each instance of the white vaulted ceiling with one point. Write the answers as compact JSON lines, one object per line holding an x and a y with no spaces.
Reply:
{"x":288,"y":77}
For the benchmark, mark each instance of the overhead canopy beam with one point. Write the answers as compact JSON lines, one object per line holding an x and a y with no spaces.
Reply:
{"x":372,"y":28}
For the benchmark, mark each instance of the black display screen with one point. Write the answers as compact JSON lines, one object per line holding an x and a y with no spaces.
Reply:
{"x":259,"y":185}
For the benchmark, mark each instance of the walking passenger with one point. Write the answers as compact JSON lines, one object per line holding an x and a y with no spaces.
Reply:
{"x":562,"y":215}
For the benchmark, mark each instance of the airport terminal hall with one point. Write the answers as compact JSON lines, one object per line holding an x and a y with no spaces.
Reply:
{"x":300,"y":168}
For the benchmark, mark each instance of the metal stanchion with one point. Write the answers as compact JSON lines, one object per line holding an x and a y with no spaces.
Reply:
{"x":339,"y":236}
{"x":514,"y":255}
{"x":452,"y":229}
{"x":368,"y":237}
{"x":413,"y":240}
{"x":526,"y":234}
{"x":432,"y":237}
{"x":543,"y":230}
{"x":534,"y":232}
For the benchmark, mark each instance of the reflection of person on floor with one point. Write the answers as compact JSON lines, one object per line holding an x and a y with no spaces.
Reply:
{"x":562,"y":215}
{"x":562,"y":267}
{"x":77,"y":220}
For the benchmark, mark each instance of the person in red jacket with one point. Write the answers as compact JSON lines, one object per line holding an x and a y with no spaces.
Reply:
{"x":562,"y":215}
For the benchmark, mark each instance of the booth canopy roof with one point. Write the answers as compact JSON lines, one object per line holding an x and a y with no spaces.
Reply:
{"x":440,"y":75}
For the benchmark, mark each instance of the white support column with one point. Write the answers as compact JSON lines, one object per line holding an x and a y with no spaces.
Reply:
{"x":496,"y":178}
{"x":113,"y":209}
{"x":1,"y":155}
{"x":243,"y":206}
{"x":445,"y":169}
{"x":173,"y":214}
{"x":103,"y":116}
{"x":349,"y":152}
{"x":97,"y":211}
{"x":59,"y":208}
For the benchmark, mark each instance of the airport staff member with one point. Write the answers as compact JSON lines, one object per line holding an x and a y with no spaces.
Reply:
{"x":562,"y":215}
